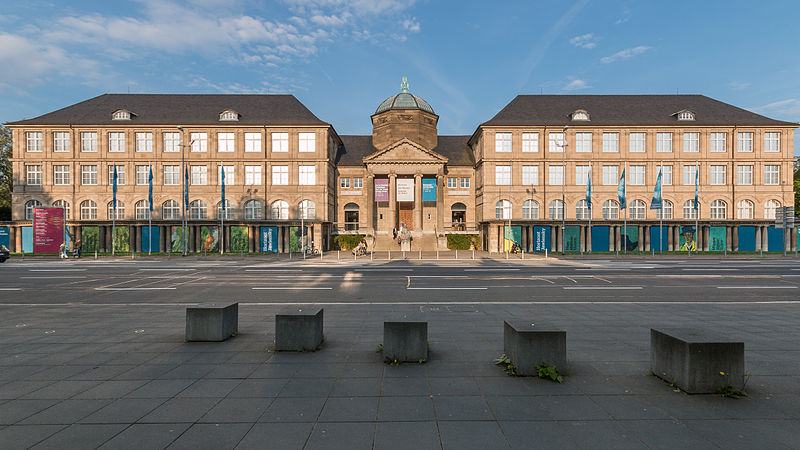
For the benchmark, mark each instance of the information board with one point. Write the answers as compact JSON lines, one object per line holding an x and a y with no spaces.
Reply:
{"x":146,"y":239}
{"x":600,"y":239}
{"x":269,"y":239}
{"x":405,"y":189}
{"x":429,"y":189}
{"x":381,"y":190}
{"x":48,"y":229}
{"x":717,"y":239}
{"x":541,"y":238}
{"x":5,"y":237}
{"x":572,"y":238}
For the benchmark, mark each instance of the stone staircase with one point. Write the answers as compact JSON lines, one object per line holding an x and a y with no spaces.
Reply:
{"x":384,"y":242}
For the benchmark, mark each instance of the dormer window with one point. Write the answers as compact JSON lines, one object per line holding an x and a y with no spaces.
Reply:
{"x":121,"y":114}
{"x":580,"y":115}
{"x":228,"y":115}
{"x":685,"y":115}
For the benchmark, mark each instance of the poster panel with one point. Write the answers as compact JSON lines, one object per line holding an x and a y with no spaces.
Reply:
{"x":572,"y":238}
{"x":5,"y":237}
{"x":774,"y":239}
{"x":295,"y":238}
{"x":747,"y":239}
{"x":269,"y":239}
{"x":405,"y":189}
{"x":381,"y":190}
{"x":429,"y":189}
{"x":239,"y":239}
{"x":48,"y":229}
{"x":688,"y":240}
{"x":176,"y":240}
{"x":512,"y":237}
{"x":209,"y":239}
{"x":122,"y":240}
{"x":27,"y":239}
{"x":656,"y":243}
{"x":600,"y":238}
{"x":90,"y":239}
{"x":717,"y":239}
{"x":630,"y":238}
{"x":146,"y":239}
{"x":541,"y":238}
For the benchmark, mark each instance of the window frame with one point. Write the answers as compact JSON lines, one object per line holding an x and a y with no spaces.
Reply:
{"x":226,"y":142}
{"x":502,"y":175}
{"x":144,"y":138}
{"x":116,"y":142}
{"x":281,"y":172}
{"x":502,"y":142}
{"x":530,"y":142}
{"x":282,"y":141}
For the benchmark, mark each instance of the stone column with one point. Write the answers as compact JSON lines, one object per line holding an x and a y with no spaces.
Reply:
{"x":250,"y":240}
{"x":612,"y":239}
{"x":554,"y":238}
{"x":765,"y":238}
{"x":418,"y":202}
{"x":15,"y":239}
{"x":706,"y":237}
{"x":393,"y":200}
{"x":440,"y":205}
{"x":735,"y":238}
{"x":728,"y":239}
{"x":698,"y":237}
{"x":369,"y":187}
{"x":138,"y":234}
{"x":644,"y":239}
{"x":670,"y":239}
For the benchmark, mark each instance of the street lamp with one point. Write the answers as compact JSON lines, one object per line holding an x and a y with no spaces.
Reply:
{"x":563,"y":145}
{"x":183,"y":191}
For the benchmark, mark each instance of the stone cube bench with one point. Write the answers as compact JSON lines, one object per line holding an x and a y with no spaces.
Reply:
{"x":212,"y":322}
{"x":298,"y":330}
{"x":405,"y":340}
{"x":697,"y":361}
{"x":528,"y":343}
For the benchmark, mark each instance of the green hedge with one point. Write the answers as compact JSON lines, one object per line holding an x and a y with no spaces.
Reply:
{"x":462,"y":241}
{"x":348,"y":241}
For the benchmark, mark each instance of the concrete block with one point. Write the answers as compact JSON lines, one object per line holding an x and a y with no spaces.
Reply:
{"x":212,"y":321}
{"x":528,"y":343}
{"x":405,"y":341}
{"x":298,"y":330}
{"x":697,"y":361}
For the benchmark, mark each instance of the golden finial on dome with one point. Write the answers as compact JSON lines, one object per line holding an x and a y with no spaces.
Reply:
{"x":404,"y":85}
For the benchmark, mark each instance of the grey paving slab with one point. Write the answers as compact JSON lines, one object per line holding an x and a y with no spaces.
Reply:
{"x":459,"y":407}
{"x":61,"y":389}
{"x":565,"y":407}
{"x":232,"y":371}
{"x":472,"y":435}
{"x":303,"y":409}
{"x":110,"y":389}
{"x":80,"y":436}
{"x":17,"y":389}
{"x":66,"y":412}
{"x":180,"y":410}
{"x":356,"y":387}
{"x":277,"y":435}
{"x":25,"y":436}
{"x":536,"y":435}
{"x":629,"y":407}
{"x":308,"y":387}
{"x":601,"y":433}
{"x":207,"y":435}
{"x":518,"y":408}
{"x":407,"y":435}
{"x":353,"y":435}
{"x":146,"y":436}
{"x":15,"y":410}
{"x":405,"y":409}
{"x":258,"y":387}
{"x":160,"y":388}
{"x":394,"y":386}
{"x":667,"y":434}
{"x":124,"y":410}
{"x":233,"y":410}
{"x":210,"y":388}
{"x":350,"y":409}
{"x":746,"y":434}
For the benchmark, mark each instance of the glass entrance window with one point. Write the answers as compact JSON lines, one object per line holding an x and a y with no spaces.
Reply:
{"x":351,"y":217}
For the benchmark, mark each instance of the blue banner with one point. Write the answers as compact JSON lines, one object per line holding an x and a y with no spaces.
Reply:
{"x":600,"y":239}
{"x":655,"y":243}
{"x":621,"y":191}
{"x":27,"y":239}
{"x":5,"y":237}
{"x":269,"y":239}
{"x":150,"y":189}
{"x":145,"y":244}
{"x":747,"y":239}
{"x":429,"y":189}
{"x":774,"y":239}
{"x":656,"y":203}
{"x":541,"y":239}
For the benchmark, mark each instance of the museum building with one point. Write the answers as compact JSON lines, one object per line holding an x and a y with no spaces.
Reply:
{"x":524,"y":176}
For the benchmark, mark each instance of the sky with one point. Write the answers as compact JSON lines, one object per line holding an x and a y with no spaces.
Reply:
{"x":341,"y":58}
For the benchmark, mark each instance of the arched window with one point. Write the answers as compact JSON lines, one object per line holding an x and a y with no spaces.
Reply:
{"x":279,"y":210}
{"x":744,"y":209}
{"x":688,"y":210}
{"x":88,"y":210}
{"x":530,"y":209}
{"x":307,"y":209}
{"x":581,"y":210}
{"x":62,"y":204}
{"x":120,"y":210}
{"x":556,"y":209}
{"x":170,"y":210}
{"x":142,"y":210}
{"x":610,"y":210}
{"x":502,"y":209}
{"x":770,"y":207}
{"x":198,"y":210}
{"x":230,"y":212}
{"x":638,"y":209}
{"x":667,"y":208}
{"x":253,"y":210}
{"x":29,"y":208}
{"x":351,"y":217}
{"x":719,"y":209}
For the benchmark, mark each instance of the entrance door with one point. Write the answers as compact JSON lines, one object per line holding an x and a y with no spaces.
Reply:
{"x":405,"y":215}
{"x":458,"y":220}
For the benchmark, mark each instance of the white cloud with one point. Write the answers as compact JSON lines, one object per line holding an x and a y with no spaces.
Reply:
{"x":789,"y":108}
{"x":587,"y":40}
{"x":575,"y":85}
{"x":33,"y":62}
{"x":738,"y":85}
{"x":411,"y":25}
{"x":625,"y":54}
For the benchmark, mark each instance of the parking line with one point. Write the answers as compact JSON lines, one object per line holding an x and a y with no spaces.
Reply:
{"x":51,"y":278}
{"x":447,"y":288}
{"x":56,"y":270}
{"x":137,"y":289}
{"x":491,"y":270}
{"x":756,"y":287}
{"x":291,"y":288}
{"x":605,"y":288}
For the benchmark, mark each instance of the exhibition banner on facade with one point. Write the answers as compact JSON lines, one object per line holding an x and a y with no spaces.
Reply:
{"x":512,"y":236}
{"x":747,"y":239}
{"x":688,"y":240}
{"x":429,"y":189}
{"x":209,"y":239}
{"x":90,"y":239}
{"x":630,"y":239}
{"x":176,"y":239}
{"x":774,"y":239}
{"x":239,"y":239}
{"x":572,"y":238}
{"x":5,"y":237}
{"x":296,"y":235}
{"x":381,"y":190}
{"x":147,"y":239}
{"x":269,"y":239}
{"x":541,"y":238}
{"x":48,"y":229}
{"x":122,"y":241}
{"x":717,"y":239}
{"x":27,"y":239}
{"x":600,"y":242}
{"x":405,"y":189}
{"x":659,"y":244}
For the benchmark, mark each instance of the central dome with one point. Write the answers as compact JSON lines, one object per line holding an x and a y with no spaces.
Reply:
{"x":404,"y":100}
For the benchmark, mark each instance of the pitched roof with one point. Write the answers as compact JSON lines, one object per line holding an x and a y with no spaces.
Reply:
{"x":655,"y":110}
{"x":181,"y":109}
{"x":355,"y":148}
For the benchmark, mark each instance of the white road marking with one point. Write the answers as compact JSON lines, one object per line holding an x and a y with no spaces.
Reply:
{"x":51,"y":278}
{"x":273,"y":270}
{"x":167,"y":269}
{"x":383,"y":270}
{"x":625,"y":269}
{"x":56,"y":270}
{"x":447,"y":276}
{"x":291,"y":288}
{"x":181,"y":305}
{"x":491,"y":270}
{"x":756,"y":287}
{"x":136,"y":289}
{"x":592,"y":288}
{"x":10,"y":289}
{"x":713,"y":269}
{"x":447,"y":288}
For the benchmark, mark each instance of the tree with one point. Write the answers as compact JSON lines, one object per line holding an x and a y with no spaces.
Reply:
{"x":6,"y":176}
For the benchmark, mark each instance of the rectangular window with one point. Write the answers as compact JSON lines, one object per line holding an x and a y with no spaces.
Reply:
{"x":280,"y":175}
{"x":530,"y":175}
{"x":120,"y":175}
{"x":583,"y":142}
{"x":144,"y":142}
{"x":308,"y":175}
{"x":581,"y":175}
{"x":172,"y":142}
{"x":199,"y":175}
{"x":452,"y":182}
{"x":89,"y":175}
{"x":717,"y":143}
{"x":744,"y":142}
{"x":199,"y":142}
{"x":225,"y":142}
{"x":61,"y":175}
{"x":556,"y":142}
{"x":344,"y":183}
{"x":465,"y":183}
{"x":610,"y":175}
{"x":530,"y":142}
{"x":502,"y":142}
{"x":307,"y":142}
{"x":172,"y":175}
{"x":142,"y":173}
{"x":689,"y":175}
{"x":61,"y":141}
{"x":116,"y":141}
{"x":33,"y":175}
{"x":772,"y":175}
{"x":664,"y":142}
{"x":717,"y":175}
{"x":34,"y":141}
{"x":636,"y":176}
{"x":252,"y":175}
{"x":229,"y":175}
{"x":744,"y":175}
{"x":89,"y":141}
{"x":637,"y":142}
{"x":252,"y":142}
{"x":610,"y":142}
{"x":358,"y":183}
{"x":280,"y":142}
{"x":502,"y":175}
{"x":556,"y":175}
{"x":666,"y":175}
{"x":691,"y":142}
{"x":772,"y":141}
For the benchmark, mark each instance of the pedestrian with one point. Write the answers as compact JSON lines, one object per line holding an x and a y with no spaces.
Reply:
{"x":62,"y":251}
{"x":394,"y":233}
{"x":78,"y":245}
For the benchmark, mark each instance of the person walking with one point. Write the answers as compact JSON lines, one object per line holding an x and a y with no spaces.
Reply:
{"x":394,"y":233}
{"x":62,"y":251}
{"x":78,"y":245}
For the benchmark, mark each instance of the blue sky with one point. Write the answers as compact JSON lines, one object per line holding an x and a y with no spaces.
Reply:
{"x":342,"y":58}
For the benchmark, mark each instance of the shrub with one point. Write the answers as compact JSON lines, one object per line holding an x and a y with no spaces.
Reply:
{"x":348,"y":241}
{"x":462,"y":241}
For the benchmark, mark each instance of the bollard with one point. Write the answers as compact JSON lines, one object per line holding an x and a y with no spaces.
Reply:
{"x":404,"y":255}
{"x":338,"y":255}
{"x":95,"y":253}
{"x":506,"y":254}
{"x":523,"y":255}
{"x":371,"y":254}
{"x":320,"y":254}
{"x":355,"y":256}
{"x":456,"y":254}
{"x":437,"y":254}
{"x":420,"y":254}
{"x":545,"y":253}
{"x":390,"y":255}
{"x":473,"y":255}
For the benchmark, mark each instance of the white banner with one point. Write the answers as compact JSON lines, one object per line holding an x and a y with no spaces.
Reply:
{"x":405,"y":189}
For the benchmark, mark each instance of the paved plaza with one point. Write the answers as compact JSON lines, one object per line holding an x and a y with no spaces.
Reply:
{"x":92,"y":354}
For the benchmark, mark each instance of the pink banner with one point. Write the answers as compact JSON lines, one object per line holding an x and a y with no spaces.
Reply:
{"x":48,"y":229}
{"x":381,"y":190}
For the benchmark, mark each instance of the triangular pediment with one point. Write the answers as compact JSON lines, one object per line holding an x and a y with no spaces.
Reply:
{"x":403,"y":152}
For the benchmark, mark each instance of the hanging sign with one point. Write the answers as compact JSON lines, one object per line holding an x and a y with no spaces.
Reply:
{"x":429,"y":189}
{"x":381,"y":190}
{"x":405,"y":189}
{"x":48,"y":229}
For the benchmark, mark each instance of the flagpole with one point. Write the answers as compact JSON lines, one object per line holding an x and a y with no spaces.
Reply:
{"x":697,"y":204}
{"x":625,"y":226}
{"x":223,"y":210}
{"x":150,"y":213}
{"x":661,"y":212}
{"x":114,"y":215}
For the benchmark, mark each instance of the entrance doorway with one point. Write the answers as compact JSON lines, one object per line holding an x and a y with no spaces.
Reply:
{"x":351,"y":217}
{"x":405,"y":215}
{"x":459,"y":216}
